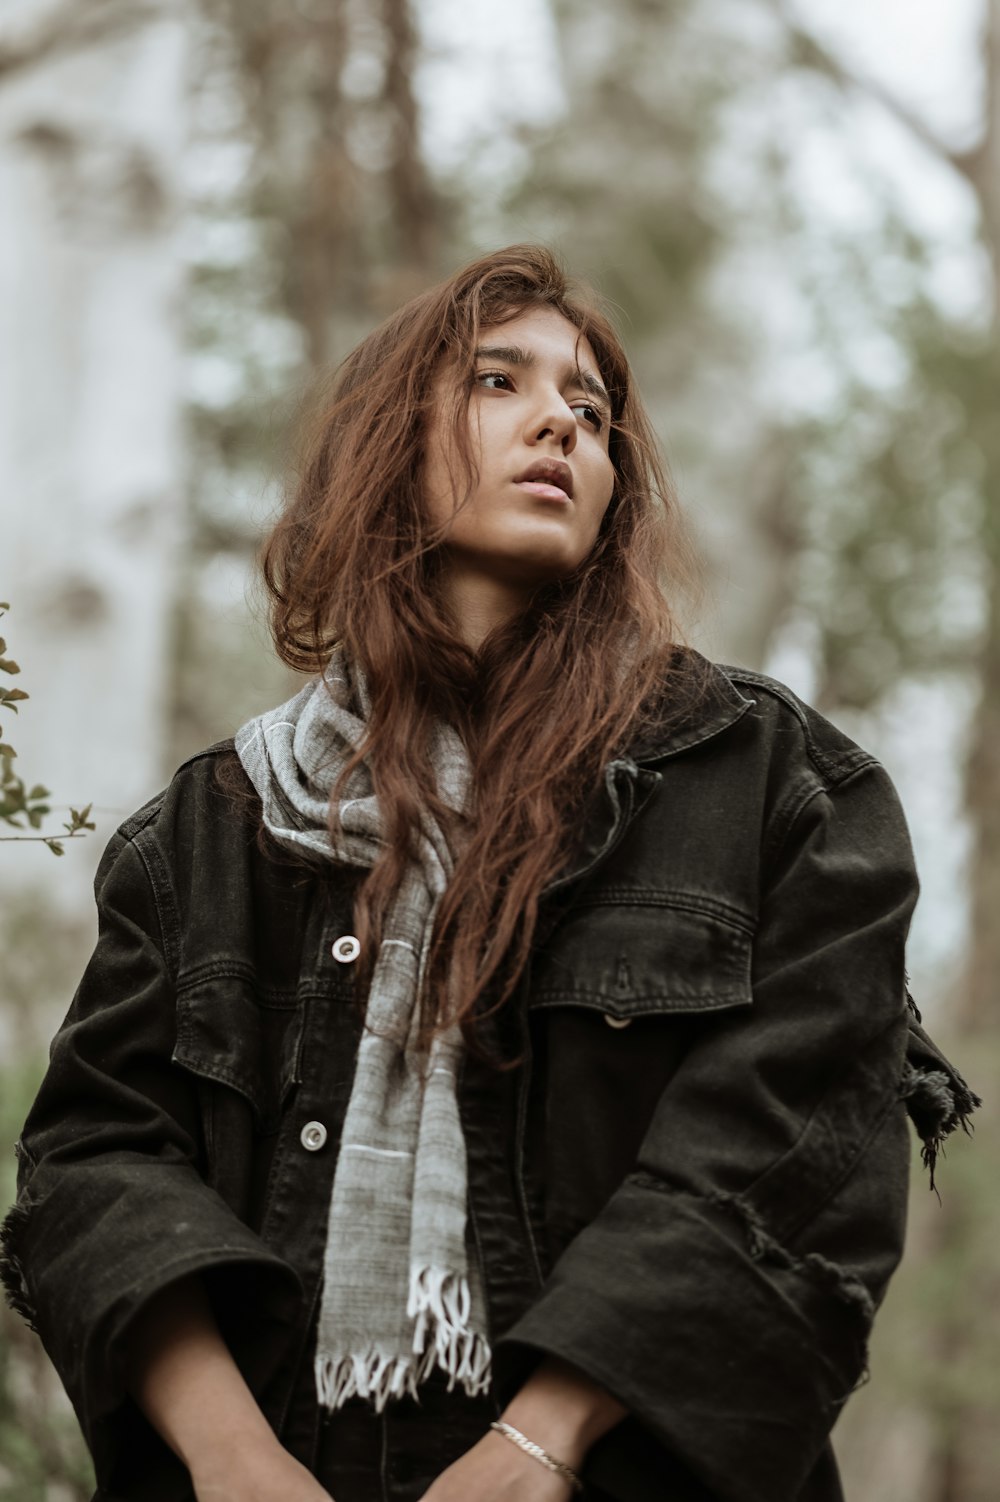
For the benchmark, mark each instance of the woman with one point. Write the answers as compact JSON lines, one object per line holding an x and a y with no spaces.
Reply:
{"x":597,"y":1183}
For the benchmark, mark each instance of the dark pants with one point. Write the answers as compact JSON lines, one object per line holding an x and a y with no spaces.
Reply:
{"x":394,"y":1456}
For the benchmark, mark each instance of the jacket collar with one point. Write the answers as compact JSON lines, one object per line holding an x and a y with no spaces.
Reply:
{"x":713,"y":705}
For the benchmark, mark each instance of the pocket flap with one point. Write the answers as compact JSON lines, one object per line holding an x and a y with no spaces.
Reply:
{"x":646,"y":952}
{"x":231,"y":1032}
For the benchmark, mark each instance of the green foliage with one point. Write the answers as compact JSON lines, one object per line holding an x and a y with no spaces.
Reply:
{"x":935,"y":1340}
{"x":22,"y":807}
{"x":892,"y":482}
{"x":41,"y":1448}
{"x":42,"y":1453}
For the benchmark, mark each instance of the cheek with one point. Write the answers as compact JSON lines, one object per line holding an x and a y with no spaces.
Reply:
{"x":604,"y":485}
{"x":610,"y":480}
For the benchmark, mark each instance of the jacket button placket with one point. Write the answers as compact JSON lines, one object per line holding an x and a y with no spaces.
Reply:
{"x":301,"y":1177}
{"x":313,"y":1136}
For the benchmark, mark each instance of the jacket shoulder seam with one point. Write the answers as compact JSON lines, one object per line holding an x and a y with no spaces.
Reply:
{"x":835,"y":766}
{"x":216,"y":749}
{"x":794,"y":805}
{"x":149,"y":811}
{"x":148,"y":849}
{"x":131,"y":826}
{"x":140,"y":831}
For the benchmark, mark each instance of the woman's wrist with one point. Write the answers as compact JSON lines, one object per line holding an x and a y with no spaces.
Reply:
{"x":235,"y":1460}
{"x":230,"y":1442}
{"x":181,"y":1373}
{"x":563,"y":1410}
{"x":539,"y":1453}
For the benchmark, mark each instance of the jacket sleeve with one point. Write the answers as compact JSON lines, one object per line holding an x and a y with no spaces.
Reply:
{"x":112,"y":1206}
{"x":725,"y":1292}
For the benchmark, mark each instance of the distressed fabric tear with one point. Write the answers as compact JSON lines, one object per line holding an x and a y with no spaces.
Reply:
{"x":12,"y":1276}
{"x":938,"y":1102}
{"x":762,"y":1246}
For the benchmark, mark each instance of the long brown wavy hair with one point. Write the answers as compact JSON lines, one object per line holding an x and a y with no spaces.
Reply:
{"x":548,"y":698}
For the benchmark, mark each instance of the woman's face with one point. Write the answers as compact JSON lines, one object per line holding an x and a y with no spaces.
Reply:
{"x":539,"y":421}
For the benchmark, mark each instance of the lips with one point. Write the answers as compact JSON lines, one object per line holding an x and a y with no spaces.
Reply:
{"x":549,"y":472}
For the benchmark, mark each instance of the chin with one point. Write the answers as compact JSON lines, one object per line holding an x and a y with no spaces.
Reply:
{"x":530,"y":564}
{"x":548,"y":560}
{"x":541,"y":571}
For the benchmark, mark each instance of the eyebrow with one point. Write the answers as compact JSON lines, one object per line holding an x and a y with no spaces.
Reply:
{"x":513,"y":354}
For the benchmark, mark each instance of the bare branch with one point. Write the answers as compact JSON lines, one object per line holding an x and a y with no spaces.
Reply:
{"x":43,"y":839}
{"x":72,"y":28}
{"x":809,"y":52}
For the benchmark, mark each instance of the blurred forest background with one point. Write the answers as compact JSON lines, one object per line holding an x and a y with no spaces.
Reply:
{"x":794,"y":209}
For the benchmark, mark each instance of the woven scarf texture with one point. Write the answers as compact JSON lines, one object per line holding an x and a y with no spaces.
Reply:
{"x":401,"y":1286}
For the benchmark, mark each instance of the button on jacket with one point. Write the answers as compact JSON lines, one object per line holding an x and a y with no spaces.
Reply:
{"x":693,"y":1186}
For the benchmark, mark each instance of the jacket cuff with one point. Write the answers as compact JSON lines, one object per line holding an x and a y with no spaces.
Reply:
{"x":743,"y":1383}
{"x":95,"y":1260}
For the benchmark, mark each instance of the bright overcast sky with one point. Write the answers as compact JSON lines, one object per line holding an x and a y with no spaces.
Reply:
{"x":489,"y":67}
{"x":924,"y":49}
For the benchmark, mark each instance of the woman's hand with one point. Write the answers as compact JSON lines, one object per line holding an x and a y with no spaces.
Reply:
{"x":494,"y":1470}
{"x":261,"y":1473}
{"x":180,"y":1372}
{"x":561,"y":1409}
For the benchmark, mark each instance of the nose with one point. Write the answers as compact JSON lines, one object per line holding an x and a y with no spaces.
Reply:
{"x":552,"y":417}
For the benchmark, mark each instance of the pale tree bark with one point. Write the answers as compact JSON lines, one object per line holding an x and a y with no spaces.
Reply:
{"x":91,"y":466}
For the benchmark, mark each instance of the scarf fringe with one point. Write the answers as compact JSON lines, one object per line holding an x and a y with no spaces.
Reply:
{"x":377,"y":1376}
{"x":374,"y":1375}
{"x":440,"y":1301}
{"x":437,"y":1293}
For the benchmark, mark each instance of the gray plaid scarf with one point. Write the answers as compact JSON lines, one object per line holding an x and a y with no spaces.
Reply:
{"x":401,"y":1286}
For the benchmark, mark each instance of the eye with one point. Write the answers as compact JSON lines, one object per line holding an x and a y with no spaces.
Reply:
{"x":591,"y":414}
{"x":488,"y":376}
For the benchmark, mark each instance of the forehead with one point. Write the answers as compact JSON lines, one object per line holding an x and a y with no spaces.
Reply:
{"x":546,"y":334}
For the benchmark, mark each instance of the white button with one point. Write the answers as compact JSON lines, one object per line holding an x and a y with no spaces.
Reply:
{"x":345,"y":949}
{"x":313,"y":1136}
{"x":616,"y":1021}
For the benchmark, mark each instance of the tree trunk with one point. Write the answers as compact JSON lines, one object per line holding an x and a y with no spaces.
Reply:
{"x":983,"y":780}
{"x":91,"y":460}
{"x":969,"y":1462}
{"x":415,"y":206}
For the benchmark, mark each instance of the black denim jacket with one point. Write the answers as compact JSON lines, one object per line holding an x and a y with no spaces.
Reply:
{"x":693,"y":1188}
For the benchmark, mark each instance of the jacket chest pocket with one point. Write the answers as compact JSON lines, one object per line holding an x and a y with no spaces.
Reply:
{"x":232,"y":1033}
{"x":640,"y":954}
{"x":617,"y":995}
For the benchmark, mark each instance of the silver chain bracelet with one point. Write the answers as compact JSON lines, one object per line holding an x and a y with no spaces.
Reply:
{"x":537,"y":1453}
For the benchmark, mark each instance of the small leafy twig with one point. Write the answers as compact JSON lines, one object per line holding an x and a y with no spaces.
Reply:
{"x":18,"y":803}
{"x":80,"y":822}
